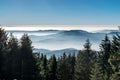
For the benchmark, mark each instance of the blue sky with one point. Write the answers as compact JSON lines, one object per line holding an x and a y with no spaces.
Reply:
{"x":60,"y":12}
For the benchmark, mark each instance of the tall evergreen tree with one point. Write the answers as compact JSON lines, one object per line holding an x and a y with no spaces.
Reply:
{"x":105,"y":54}
{"x":44,"y":68}
{"x":3,"y":50}
{"x":52,"y":68}
{"x":65,"y":67}
{"x":59,"y":68}
{"x":115,"y":57}
{"x":12,"y":59}
{"x":70,"y":66}
{"x":96,"y":72}
{"x":84,"y":62}
{"x":38,"y":62}
{"x":28,"y":64}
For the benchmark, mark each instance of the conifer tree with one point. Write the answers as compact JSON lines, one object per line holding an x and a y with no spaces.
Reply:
{"x":115,"y":57}
{"x":39,"y":58}
{"x":59,"y":66}
{"x":70,"y":64}
{"x":84,"y":62}
{"x":13,"y":59}
{"x":28,"y":64}
{"x":105,"y":55}
{"x":96,"y":72}
{"x":62,"y":68}
{"x":3,"y":50}
{"x":44,"y":68}
{"x":65,"y":67}
{"x":52,"y":68}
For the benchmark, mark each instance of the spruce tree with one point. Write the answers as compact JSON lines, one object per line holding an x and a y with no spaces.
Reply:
{"x":44,"y":68}
{"x":70,"y":64}
{"x":96,"y":72}
{"x":39,"y":59}
{"x":65,"y":67}
{"x":28,"y":64}
{"x":52,"y":68}
{"x":3,"y":51}
{"x":115,"y":57}
{"x":84,"y":62}
{"x":62,"y":68}
{"x":12,"y":58}
{"x":59,"y":66}
{"x":105,"y":47}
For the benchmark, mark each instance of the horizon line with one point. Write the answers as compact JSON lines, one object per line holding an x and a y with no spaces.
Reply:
{"x":7,"y":25}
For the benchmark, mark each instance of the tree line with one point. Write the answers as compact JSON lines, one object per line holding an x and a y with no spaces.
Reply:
{"x":18,"y":62}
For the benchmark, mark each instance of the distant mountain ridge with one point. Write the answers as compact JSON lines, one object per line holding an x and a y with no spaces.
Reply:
{"x":66,"y":31}
{"x":58,"y":53}
{"x":107,"y":31}
{"x":62,"y":39}
{"x":32,"y":30}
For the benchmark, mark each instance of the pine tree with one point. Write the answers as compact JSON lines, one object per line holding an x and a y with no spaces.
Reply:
{"x":39,"y":59}
{"x":59,"y":66}
{"x":84,"y":62}
{"x":3,"y":50}
{"x":105,"y":54}
{"x":65,"y":67}
{"x":28,"y":64}
{"x":115,"y":57}
{"x":44,"y":68}
{"x":96,"y":72}
{"x":12,"y":59}
{"x":62,"y":68}
{"x":70,"y":64}
{"x":52,"y":68}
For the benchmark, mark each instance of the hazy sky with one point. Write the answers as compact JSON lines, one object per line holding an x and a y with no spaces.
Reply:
{"x":60,"y":12}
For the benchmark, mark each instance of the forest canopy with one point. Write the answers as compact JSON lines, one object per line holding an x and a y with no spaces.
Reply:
{"x":18,"y":61}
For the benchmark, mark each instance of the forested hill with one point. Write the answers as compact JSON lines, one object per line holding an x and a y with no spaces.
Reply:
{"x":57,"y":53}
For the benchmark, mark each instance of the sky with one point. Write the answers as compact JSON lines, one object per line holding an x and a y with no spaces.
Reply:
{"x":60,"y":12}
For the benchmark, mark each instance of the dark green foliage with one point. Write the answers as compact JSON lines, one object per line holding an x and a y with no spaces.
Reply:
{"x":3,"y":50}
{"x":43,"y":67}
{"x":115,"y":51}
{"x":65,"y":67}
{"x":115,"y":57}
{"x":84,"y":62}
{"x":115,"y":76}
{"x":52,"y":68}
{"x":27,"y":60}
{"x":62,"y":68}
{"x":71,"y":64}
{"x":104,"y":56}
{"x":12,"y":59}
{"x":96,"y":72}
{"x":17,"y":61}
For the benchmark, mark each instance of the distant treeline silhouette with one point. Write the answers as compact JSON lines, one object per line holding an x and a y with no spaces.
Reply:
{"x":18,"y":62}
